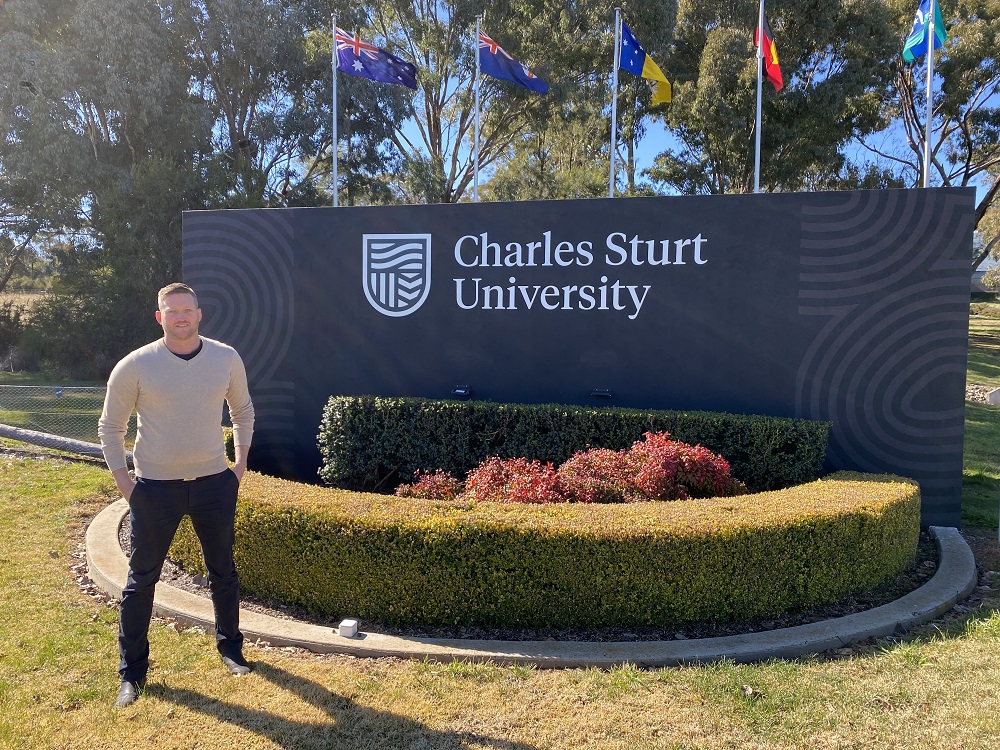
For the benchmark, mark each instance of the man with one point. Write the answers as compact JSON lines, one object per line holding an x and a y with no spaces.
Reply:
{"x":177,"y":386}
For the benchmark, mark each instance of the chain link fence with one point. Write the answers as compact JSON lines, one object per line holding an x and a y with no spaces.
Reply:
{"x":66,"y":411}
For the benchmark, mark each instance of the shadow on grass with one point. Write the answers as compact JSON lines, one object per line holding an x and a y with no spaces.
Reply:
{"x":347,"y":725}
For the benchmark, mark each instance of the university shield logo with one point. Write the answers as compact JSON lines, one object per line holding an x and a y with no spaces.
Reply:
{"x":397,"y":272}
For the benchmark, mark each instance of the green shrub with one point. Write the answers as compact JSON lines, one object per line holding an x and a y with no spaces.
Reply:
{"x":987,"y":309}
{"x":229,"y":444}
{"x":399,"y":562}
{"x":11,"y":326}
{"x":375,"y":443}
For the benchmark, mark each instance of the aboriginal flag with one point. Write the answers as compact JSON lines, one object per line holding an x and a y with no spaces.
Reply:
{"x":770,"y":52}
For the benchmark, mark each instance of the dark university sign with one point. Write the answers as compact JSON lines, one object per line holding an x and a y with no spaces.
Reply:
{"x":850,"y":307}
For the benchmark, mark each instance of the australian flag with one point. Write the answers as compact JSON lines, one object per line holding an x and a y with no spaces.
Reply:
{"x":359,"y":58}
{"x":494,"y":61}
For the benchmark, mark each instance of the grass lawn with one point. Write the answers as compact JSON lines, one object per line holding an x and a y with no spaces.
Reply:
{"x":936,"y":688}
{"x":67,"y":408}
{"x":981,"y":476}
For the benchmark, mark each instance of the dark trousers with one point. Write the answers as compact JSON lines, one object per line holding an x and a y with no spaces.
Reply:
{"x":156,"y":510}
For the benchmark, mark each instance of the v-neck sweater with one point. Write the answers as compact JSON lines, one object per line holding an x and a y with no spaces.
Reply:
{"x":178,"y":404}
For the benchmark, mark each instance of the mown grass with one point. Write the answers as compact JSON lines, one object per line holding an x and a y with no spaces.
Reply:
{"x":984,"y":348}
{"x":981,"y":475}
{"x":58,"y":658}
{"x":68,"y":409}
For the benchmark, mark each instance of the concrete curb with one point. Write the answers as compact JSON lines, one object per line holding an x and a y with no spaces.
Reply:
{"x":955,"y":578}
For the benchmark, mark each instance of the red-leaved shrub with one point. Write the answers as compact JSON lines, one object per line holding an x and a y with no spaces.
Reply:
{"x":599,"y":475}
{"x":671,"y":470}
{"x":515,"y":480}
{"x":431,"y":485}
{"x":654,"y":468}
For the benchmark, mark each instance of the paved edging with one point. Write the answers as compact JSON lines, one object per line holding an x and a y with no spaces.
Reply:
{"x":954,"y":580}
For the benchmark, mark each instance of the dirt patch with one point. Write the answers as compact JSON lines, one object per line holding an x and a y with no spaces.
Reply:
{"x":985,"y":547}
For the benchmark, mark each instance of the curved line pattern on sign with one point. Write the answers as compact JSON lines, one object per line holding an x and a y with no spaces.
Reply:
{"x":241,"y":263}
{"x":891,"y":343}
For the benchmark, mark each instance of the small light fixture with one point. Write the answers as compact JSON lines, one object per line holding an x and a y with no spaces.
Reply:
{"x":601,"y":393}
{"x":461,"y":392}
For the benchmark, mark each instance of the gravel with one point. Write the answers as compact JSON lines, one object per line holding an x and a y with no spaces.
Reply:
{"x":978,"y":393}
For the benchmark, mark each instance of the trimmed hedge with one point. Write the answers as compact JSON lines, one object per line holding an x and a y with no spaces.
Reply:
{"x":399,"y":562}
{"x":376,"y":443}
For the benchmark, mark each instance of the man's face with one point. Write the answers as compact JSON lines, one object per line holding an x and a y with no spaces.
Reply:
{"x":179,"y":317}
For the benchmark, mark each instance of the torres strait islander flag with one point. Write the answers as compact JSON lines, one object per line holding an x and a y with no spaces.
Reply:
{"x":358,"y":58}
{"x":494,"y":61}
{"x":771,"y":69}
{"x":916,"y":42}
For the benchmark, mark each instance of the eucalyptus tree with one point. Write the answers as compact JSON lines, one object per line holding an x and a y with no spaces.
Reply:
{"x":87,"y":87}
{"x":99,"y":137}
{"x":564,"y":151}
{"x":564,"y":158}
{"x":965,"y":125}
{"x":567,"y":44}
{"x":832,"y":56}
{"x":368,"y":115}
{"x":438,"y":38}
{"x":250,"y":66}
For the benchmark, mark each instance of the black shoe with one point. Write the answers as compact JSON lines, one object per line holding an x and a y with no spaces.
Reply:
{"x":128,"y":691}
{"x":237,"y":665}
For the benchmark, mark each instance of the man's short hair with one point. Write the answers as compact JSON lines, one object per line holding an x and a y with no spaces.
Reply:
{"x":175,"y":288}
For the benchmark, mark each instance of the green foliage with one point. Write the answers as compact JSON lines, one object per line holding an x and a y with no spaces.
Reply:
{"x":965,"y":130}
{"x":562,"y":152}
{"x":118,"y":116}
{"x":97,"y":165}
{"x":395,"y":561}
{"x":562,"y":159}
{"x":81,"y":337}
{"x":11,"y":325}
{"x":228,"y":442}
{"x":370,"y":442}
{"x":524,"y":134}
{"x":833,"y":60}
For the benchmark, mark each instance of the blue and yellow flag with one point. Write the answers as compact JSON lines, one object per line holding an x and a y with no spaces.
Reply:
{"x":634,"y":59}
{"x":916,"y":42}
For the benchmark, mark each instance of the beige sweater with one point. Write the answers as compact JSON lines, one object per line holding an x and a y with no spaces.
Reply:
{"x":179,"y":408}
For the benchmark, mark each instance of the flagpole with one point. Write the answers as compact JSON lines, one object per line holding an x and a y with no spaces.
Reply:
{"x":930,"y":96}
{"x":760,"y":75}
{"x":614,"y":100}
{"x":333,"y":64}
{"x":475,"y":168}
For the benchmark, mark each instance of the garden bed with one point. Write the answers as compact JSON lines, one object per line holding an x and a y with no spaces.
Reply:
{"x":406,"y":563}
